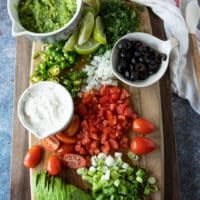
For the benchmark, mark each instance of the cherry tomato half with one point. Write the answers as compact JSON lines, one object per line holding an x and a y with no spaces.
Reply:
{"x":141,"y":145}
{"x":64,"y":149}
{"x":143,"y":126}
{"x":65,"y":139}
{"x":51,"y":143}
{"x":33,"y":156}
{"x":74,"y":161}
{"x":54,"y":165}
{"x":73,"y":127}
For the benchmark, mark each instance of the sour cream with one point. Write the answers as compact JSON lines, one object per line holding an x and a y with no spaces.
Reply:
{"x":45,"y":108}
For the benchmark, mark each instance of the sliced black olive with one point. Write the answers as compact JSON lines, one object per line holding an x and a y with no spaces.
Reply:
{"x":136,"y":53}
{"x":124,"y":44}
{"x":123,"y":53}
{"x":121,"y":66}
{"x":153,"y":68}
{"x":163,"y":56}
{"x":141,"y":59}
{"x":137,"y":44}
{"x":127,"y":74}
{"x":133,"y":61}
{"x":143,"y":75}
{"x":134,"y":76}
{"x":139,"y":67}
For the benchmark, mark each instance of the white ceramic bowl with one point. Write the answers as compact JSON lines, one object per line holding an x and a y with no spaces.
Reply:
{"x":50,"y":37}
{"x":45,"y":108}
{"x":161,"y":46}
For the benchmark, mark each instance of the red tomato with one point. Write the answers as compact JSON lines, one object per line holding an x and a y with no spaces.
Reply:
{"x":65,"y":148}
{"x":51,"y":143}
{"x":74,"y":161}
{"x":106,"y":117}
{"x":65,"y":139}
{"x":54,"y":165}
{"x":73,"y":127}
{"x":141,"y":145}
{"x":143,"y":126}
{"x":33,"y":156}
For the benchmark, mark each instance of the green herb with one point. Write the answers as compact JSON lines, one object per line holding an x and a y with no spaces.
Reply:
{"x":119,"y":19}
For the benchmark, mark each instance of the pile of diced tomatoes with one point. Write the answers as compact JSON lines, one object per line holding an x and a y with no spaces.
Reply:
{"x":106,"y":117}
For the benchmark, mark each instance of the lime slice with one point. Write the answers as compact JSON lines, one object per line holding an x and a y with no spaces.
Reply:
{"x":98,"y":33}
{"x":93,"y":3}
{"x":70,"y":43}
{"x":86,"y":28}
{"x":89,"y":47}
{"x":88,"y":9}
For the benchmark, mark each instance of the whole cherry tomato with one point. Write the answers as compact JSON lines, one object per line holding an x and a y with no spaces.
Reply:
{"x":51,"y":143}
{"x":33,"y":156}
{"x":143,"y":126}
{"x":65,"y":139}
{"x":141,"y":145}
{"x":64,"y":149}
{"x":54,"y":165}
{"x":74,"y":161}
{"x":73,"y":127}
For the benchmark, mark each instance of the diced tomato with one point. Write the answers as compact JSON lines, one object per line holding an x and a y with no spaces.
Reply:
{"x":82,"y":109}
{"x":106,"y":116}
{"x":65,"y":148}
{"x":120,"y":108}
{"x":65,"y":139}
{"x":104,"y":99}
{"x":51,"y":143}
{"x":113,"y":144}
{"x":74,"y":161}
{"x":104,"y":91}
{"x":124,"y":94}
{"x":105,"y":148}
{"x":124,"y":142}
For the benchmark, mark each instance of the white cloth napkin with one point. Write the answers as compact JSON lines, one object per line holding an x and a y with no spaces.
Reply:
{"x":183,"y":80}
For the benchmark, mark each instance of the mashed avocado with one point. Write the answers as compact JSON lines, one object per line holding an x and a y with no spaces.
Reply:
{"x":42,"y":16}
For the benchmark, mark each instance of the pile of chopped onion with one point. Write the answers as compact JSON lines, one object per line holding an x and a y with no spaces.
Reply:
{"x":99,"y":72}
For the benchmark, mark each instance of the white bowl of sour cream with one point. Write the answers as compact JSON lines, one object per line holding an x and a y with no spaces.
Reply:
{"x":45,"y":108}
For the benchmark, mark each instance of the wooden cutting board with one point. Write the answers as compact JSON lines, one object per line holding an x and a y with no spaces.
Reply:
{"x":152,"y":103}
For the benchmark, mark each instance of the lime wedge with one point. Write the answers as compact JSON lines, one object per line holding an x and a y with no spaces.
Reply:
{"x":98,"y":33}
{"x":88,"y":9}
{"x":93,"y":3}
{"x":86,"y":28}
{"x":70,"y":43}
{"x":89,"y":47}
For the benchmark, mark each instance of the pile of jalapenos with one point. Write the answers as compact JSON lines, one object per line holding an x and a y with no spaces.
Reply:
{"x":137,"y":61}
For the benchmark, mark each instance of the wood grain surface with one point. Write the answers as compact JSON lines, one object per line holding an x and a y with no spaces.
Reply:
{"x":20,"y":188}
{"x":196,"y":58}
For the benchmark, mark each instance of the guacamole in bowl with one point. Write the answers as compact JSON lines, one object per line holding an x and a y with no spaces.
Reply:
{"x":45,"y":15}
{"x":46,"y":21}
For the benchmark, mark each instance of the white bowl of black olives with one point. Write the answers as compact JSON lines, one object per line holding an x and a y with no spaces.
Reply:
{"x":140,"y":59}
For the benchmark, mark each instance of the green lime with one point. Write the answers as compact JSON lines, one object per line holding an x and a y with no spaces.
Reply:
{"x":86,"y":29}
{"x":88,"y":9}
{"x":70,"y":43}
{"x":89,"y":47}
{"x":93,"y":3}
{"x":98,"y":33}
